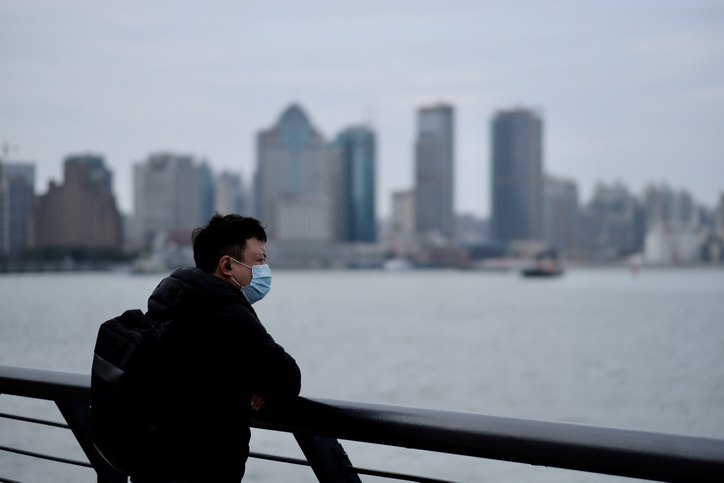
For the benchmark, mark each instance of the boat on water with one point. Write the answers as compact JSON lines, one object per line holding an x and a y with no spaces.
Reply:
{"x":398,"y":265}
{"x":542,"y":271}
{"x":546,"y":265}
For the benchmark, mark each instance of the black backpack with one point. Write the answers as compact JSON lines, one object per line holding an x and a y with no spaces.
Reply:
{"x":123,"y":397}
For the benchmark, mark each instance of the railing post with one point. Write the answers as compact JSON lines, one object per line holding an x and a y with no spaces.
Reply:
{"x":77,"y":417}
{"x":327,"y":458}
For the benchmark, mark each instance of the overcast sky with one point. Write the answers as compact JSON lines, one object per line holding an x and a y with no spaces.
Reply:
{"x":628,"y":90}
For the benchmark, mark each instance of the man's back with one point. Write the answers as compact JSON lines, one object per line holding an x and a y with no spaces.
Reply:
{"x":215,"y":356}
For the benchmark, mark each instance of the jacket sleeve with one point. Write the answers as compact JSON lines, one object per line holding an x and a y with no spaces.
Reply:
{"x":272,"y":371}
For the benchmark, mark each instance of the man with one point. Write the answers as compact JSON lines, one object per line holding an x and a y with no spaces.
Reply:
{"x":217,"y":362}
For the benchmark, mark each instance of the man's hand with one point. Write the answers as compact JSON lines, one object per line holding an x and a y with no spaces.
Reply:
{"x":257,"y":402}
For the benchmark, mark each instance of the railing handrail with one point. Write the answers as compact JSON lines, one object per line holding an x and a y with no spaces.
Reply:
{"x":638,"y":454}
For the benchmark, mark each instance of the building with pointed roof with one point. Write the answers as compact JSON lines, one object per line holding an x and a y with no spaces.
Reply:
{"x":295,"y":177}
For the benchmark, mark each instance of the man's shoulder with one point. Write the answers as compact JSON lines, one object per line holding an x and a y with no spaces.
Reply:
{"x":191,"y":292}
{"x":193,"y":276}
{"x":236,"y":317}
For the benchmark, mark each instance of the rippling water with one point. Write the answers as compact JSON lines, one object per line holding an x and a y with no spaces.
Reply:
{"x":597,"y":346}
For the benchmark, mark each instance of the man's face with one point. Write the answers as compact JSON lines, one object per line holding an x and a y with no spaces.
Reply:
{"x":254,"y":254}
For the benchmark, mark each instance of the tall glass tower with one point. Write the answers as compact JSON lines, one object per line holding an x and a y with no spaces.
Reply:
{"x":517,"y":176}
{"x":357,"y":146}
{"x":434,"y":158}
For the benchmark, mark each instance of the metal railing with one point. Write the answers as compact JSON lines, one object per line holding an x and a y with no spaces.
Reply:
{"x":317,"y":424}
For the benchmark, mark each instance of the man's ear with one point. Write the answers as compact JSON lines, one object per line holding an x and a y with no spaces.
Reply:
{"x":225,"y":264}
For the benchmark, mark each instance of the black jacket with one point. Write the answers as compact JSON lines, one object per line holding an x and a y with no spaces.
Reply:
{"x":216,"y":354}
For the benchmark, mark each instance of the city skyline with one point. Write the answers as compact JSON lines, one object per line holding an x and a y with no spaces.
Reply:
{"x":125,"y":80}
{"x":249,"y":183}
{"x":320,"y":204}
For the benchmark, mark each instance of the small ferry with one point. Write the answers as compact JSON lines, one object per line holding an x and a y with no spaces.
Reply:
{"x":546,"y":265}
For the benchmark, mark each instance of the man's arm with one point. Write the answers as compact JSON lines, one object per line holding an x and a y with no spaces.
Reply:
{"x":272,"y":371}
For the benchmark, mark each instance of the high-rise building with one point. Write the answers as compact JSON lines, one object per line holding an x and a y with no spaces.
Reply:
{"x":672,"y":226}
{"x":719,"y":217}
{"x":561,"y":213}
{"x":517,"y":176}
{"x":80,"y":213}
{"x":17,"y":189}
{"x":298,"y":181}
{"x":402,"y":223}
{"x":434,"y":170}
{"x":229,"y":194}
{"x":166,"y":196}
{"x":4,"y":213}
{"x":207,"y":193}
{"x":357,"y":146}
{"x":471,"y":230}
{"x":667,"y":206}
{"x":615,"y":222}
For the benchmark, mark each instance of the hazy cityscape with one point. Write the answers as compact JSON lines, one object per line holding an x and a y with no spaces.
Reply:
{"x":317,"y":198}
{"x":480,"y":216}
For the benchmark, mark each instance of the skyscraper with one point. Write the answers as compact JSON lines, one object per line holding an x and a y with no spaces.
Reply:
{"x":80,"y":213}
{"x":297,"y":180}
{"x":357,"y":146}
{"x":560,"y":199}
{"x":17,"y":189}
{"x":229,"y":194}
{"x":517,"y":176}
{"x":401,"y":233}
{"x":207,"y":193}
{"x":719,"y":217}
{"x":434,"y":160}
{"x":166,"y":195}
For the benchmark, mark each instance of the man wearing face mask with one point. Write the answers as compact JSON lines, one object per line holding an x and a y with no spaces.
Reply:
{"x":217,"y":362}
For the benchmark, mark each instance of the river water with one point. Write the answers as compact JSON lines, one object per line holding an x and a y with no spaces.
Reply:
{"x":597,"y":346}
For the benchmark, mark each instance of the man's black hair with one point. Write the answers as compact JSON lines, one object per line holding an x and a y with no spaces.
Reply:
{"x":224,"y":235}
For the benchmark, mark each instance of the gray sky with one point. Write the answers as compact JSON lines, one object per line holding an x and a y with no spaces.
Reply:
{"x":628,"y":90}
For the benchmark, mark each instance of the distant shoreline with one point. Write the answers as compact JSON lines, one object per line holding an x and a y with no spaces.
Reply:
{"x":67,"y":266}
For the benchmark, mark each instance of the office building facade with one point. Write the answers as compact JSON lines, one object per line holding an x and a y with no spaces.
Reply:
{"x":434,"y":172}
{"x":230,"y":194}
{"x":298,"y":181}
{"x":562,"y":213}
{"x":357,"y":146}
{"x":17,"y":190}
{"x":82,"y":212}
{"x":166,"y":196}
{"x":207,"y":193}
{"x":517,"y":176}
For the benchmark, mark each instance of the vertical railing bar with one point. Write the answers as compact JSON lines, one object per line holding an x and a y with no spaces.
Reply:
{"x":327,"y":458}
{"x":77,"y":416}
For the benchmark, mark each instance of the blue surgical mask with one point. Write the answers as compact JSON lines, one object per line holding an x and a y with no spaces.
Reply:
{"x":260,"y":282}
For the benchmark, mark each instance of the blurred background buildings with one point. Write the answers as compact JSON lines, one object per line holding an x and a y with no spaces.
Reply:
{"x":317,"y":199}
{"x":17,"y":187}
{"x":81,"y":212}
{"x":517,"y":180}
{"x":434,"y":169}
